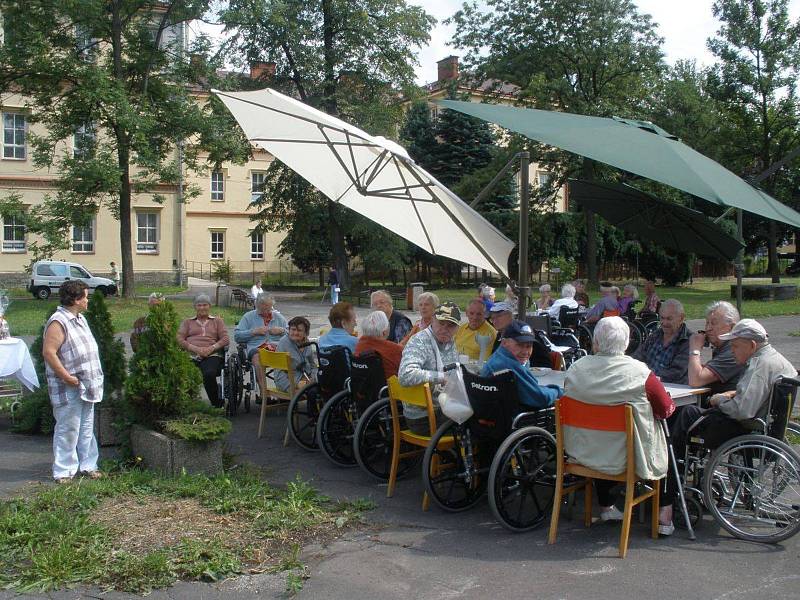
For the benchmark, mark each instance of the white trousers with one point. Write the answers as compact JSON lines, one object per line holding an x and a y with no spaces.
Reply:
{"x":74,"y":444}
{"x":334,"y":294}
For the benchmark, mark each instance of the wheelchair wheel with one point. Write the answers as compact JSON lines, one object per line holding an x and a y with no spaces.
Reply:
{"x":302,"y":415}
{"x":522,"y":479}
{"x":372,"y":443}
{"x":584,"y":335}
{"x":651,"y":327}
{"x":752,"y":487}
{"x":461,"y":479}
{"x":637,"y":336}
{"x":792,"y":436}
{"x":232,"y":388}
{"x":335,"y":429}
{"x":695,"y":509}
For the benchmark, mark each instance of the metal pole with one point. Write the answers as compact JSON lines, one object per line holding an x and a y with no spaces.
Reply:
{"x":739,"y":266}
{"x":524,"y":159}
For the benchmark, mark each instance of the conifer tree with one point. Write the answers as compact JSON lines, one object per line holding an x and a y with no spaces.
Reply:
{"x":112,"y":350}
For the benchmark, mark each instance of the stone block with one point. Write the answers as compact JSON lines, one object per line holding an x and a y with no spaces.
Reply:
{"x":174,"y":456}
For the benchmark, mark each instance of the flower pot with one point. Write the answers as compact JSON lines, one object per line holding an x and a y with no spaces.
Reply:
{"x":175,"y":456}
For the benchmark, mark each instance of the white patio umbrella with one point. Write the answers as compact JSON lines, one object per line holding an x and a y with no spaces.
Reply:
{"x":371,"y":175}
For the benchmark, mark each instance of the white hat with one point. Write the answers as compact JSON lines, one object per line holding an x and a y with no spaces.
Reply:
{"x":748,"y":329}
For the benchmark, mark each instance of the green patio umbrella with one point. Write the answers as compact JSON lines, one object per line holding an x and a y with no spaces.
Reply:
{"x":651,"y":219}
{"x":635,"y":146}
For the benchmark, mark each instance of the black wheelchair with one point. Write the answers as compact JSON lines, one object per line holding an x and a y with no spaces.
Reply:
{"x":500,"y":448}
{"x":638,"y":333}
{"x":751,"y":483}
{"x":238,"y":381}
{"x":340,"y":415}
{"x":304,"y":409}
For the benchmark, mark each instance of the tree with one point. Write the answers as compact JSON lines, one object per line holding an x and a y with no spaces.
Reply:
{"x":344,"y":57}
{"x":113,"y":75}
{"x":112,"y":350}
{"x":594,"y":57}
{"x":758,"y":48}
{"x":418,"y":136}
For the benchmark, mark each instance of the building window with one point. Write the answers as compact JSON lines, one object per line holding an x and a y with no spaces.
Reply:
{"x":544,"y":178}
{"x":257,"y":181}
{"x":13,"y":234}
{"x":147,"y":233}
{"x":84,"y":141}
{"x":256,"y":246}
{"x":217,"y":186}
{"x":83,"y":238}
{"x":85,"y":44}
{"x":13,"y":135}
{"x":217,"y":245}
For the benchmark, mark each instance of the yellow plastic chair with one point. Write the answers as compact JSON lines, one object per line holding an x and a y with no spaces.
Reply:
{"x":618,"y":418}
{"x":276,"y":361}
{"x":418,"y":395}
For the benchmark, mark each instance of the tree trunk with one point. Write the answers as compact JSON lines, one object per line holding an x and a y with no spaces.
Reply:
{"x":774,"y":266}
{"x":339,"y":251}
{"x":321,"y":272}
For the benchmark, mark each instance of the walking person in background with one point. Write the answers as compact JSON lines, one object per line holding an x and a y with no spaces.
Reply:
{"x":256,"y":290}
{"x":75,"y":383}
{"x":115,"y":277}
{"x":333,"y":281}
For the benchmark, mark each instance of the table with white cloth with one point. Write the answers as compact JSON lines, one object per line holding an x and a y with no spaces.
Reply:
{"x":16,"y":362}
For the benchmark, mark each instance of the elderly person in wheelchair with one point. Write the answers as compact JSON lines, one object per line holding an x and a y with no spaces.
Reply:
{"x":610,"y":377}
{"x":260,"y":328}
{"x":301,"y":355}
{"x":514,"y":353}
{"x":205,"y":337}
{"x":730,"y":414}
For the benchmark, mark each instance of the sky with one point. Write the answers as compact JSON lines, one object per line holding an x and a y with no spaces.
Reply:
{"x":684,"y":24}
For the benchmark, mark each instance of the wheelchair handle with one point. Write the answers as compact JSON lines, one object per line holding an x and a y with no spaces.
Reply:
{"x":522,"y":416}
{"x":450,"y":367}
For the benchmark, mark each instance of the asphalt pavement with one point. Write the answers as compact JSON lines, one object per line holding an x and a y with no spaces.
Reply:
{"x":404,"y":552}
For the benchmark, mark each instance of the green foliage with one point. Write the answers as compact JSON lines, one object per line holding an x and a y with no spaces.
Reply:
{"x":222,"y":271}
{"x":163,"y":382}
{"x":48,"y":540}
{"x":673,"y":268}
{"x":198,"y":427}
{"x":417,"y":134}
{"x":112,"y":350}
{"x":128,"y":101}
{"x":35,"y":413}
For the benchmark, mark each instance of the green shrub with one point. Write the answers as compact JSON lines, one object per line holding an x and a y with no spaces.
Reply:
{"x":35,"y":414}
{"x":163,"y":382}
{"x":222,"y":271}
{"x":112,"y":350}
{"x":198,"y":427}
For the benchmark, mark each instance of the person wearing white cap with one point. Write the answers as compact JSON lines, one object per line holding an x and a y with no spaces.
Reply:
{"x":728,"y":412}
{"x":500,"y":316}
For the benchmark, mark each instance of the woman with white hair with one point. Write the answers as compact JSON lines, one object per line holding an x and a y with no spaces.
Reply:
{"x":205,"y":337}
{"x":488,"y":297}
{"x":567,"y":299}
{"x":610,"y":377}
{"x":426,"y":305}
{"x":545,"y":300}
{"x":374,"y":331}
{"x":629,"y":295}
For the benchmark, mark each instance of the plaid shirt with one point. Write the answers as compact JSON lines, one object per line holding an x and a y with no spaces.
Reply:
{"x":80,"y":356}
{"x":671,"y":362}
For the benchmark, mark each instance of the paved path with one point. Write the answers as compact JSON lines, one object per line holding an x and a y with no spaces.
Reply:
{"x":407,"y":553}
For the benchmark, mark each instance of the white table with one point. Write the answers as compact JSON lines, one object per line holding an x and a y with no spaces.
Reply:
{"x":15,"y":361}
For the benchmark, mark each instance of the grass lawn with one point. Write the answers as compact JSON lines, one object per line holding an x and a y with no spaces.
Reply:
{"x":695,"y":297}
{"x":26,"y":317}
{"x":135,"y":531}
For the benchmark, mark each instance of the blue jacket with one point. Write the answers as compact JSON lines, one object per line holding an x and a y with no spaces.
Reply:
{"x":338,"y":337}
{"x":530,"y":392}
{"x":250,"y":321}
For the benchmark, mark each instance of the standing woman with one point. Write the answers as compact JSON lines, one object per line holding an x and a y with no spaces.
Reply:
{"x":75,"y":382}
{"x":426,"y":304}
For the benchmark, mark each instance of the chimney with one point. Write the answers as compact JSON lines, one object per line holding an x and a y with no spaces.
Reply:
{"x":448,"y":68}
{"x":197,"y":61}
{"x":262,"y":70}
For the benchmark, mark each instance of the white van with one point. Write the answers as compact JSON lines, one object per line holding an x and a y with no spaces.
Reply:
{"x":48,"y":275}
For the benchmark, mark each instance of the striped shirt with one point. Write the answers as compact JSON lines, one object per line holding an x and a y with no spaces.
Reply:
{"x":79,"y":355}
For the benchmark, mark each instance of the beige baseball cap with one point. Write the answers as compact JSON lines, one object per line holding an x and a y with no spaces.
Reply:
{"x":748,"y":329}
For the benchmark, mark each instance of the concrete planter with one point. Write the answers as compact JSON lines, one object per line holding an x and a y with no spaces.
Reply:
{"x":173,"y":456}
{"x":107,"y":435}
{"x":767,"y":291}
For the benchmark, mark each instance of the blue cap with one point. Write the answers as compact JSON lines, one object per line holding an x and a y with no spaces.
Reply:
{"x":519,"y":331}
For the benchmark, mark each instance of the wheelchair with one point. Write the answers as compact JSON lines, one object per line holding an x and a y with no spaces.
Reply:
{"x":304,"y":409}
{"x":339,"y":416}
{"x":493,"y":450}
{"x":236,"y":389}
{"x":638,"y":333}
{"x":751,"y":483}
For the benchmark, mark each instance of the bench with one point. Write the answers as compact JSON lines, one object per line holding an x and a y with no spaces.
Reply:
{"x":241,"y":299}
{"x":358,"y":295}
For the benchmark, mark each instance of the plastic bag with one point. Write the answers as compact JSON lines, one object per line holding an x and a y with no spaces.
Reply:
{"x":453,"y":400}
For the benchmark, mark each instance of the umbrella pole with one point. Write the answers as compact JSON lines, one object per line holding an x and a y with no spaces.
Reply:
{"x":739,"y":266}
{"x":522,"y":304}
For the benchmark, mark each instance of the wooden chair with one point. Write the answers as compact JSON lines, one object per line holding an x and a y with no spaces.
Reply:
{"x":277,"y":361}
{"x":618,"y":418}
{"x":418,"y":395}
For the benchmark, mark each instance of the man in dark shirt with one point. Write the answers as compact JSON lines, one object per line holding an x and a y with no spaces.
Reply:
{"x":666,"y":351}
{"x":399,"y":324}
{"x":722,"y":372}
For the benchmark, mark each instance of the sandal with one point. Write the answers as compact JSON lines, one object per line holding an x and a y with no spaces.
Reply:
{"x":62,"y":480}
{"x":93,"y":474}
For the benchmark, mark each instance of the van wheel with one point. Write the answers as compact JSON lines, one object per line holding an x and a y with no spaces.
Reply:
{"x":42,"y":293}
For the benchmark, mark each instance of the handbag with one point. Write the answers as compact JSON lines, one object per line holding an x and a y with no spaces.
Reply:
{"x":453,"y":400}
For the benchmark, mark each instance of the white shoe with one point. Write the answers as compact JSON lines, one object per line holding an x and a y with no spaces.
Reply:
{"x":611,"y":514}
{"x":666,"y":529}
